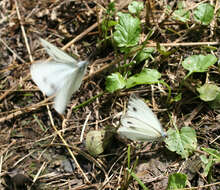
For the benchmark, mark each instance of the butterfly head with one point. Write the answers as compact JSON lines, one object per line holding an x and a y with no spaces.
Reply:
{"x":163,"y":134}
{"x":83,"y":64}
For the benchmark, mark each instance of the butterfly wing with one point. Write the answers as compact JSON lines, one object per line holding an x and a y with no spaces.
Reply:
{"x":140,"y":123}
{"x":57,"y":54}
{"x":71,"y":84}
{"x":131,"y":129}
{"x":62,"y":76}
{"x":138,"y":109}
{"x":50,"y":76}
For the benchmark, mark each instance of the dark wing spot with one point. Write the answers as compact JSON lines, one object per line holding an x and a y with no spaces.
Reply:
{"x":92,"y":139}
{"x":134,"y":109}
{"x":52,"y":86}
{"x":102,"y":136}
{"x":131,"y":127}
{"x":45,"y":80}
{"x":130,"y":123}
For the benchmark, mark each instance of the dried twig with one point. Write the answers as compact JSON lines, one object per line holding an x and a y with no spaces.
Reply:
{"x":23,"y":32}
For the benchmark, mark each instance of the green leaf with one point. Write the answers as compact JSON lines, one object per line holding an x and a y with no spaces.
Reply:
{"x":146,"y":76}
{"x":208,"y":92}
{"x":198,"y":63}
{"x":214,"y":153}
{"x":181,"y":5}
{"x":138,"y":180}
{"x":208,"y":164}
{"x":176,"y":181}
{"x":215,"y":104}
{"x":204,"y":159}
{"x":144,"y":54}
{"x":204,"y":13}
{"x":111,"y":23}
{"x":181,"y":15}
{"x":162,"y":50}
{"x":106,"y":25}
{"x":128,"y":30}
{"x":135,"y":7}
{"x":111,"y":8}
{"x":114,"y":82}
{"x":177,"y":98}
{"x":182,"y":142}
{"x":96,"y":141}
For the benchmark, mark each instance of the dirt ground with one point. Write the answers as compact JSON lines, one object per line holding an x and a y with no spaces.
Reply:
{"x":41,"y":149}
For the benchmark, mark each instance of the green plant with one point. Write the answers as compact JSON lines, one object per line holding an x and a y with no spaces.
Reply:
{"x":126,"y":38}
{"x":129,"y":173}
{"x":176,"y":181}
{"x":198,"y":63}
{"x":214,"y":158}
{"x":181,"y":14}
{"x":210,"y":93}
{"x":204,"y":13}
{"x":136,"y":7}
{"x":107,"y":24}
{"x":183,"y":142}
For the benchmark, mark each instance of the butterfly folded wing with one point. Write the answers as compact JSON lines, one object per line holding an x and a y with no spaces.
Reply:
{"x":71,"y":85}
{"x":57,"y":54}
{"x":139,"y":110}
{"x":50,"y":76}
{"x":138,"y":130}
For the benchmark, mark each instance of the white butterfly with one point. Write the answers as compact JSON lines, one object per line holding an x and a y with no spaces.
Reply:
{"x":61,"y":76}
{"x":140,"y":123}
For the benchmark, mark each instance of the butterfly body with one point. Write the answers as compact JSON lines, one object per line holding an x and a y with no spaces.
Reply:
{"x":61,"y":76}
{"x":140,"y":123}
